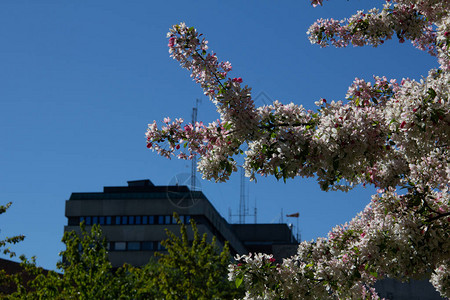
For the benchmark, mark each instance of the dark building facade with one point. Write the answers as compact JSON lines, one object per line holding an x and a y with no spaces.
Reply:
{"x":134,"y":219}
{"x":276,"y":239}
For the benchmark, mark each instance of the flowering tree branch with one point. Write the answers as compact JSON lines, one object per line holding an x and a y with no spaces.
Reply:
{"x":386,"y":133}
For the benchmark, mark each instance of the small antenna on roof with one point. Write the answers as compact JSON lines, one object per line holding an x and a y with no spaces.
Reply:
{"x":194,"y":159}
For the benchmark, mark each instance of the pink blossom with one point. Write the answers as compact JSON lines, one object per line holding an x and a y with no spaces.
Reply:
{"x":171,"y":42}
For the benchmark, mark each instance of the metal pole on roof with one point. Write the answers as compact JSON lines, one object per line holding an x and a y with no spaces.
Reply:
{"x":194,"y":159}
{"x":242,"y":199}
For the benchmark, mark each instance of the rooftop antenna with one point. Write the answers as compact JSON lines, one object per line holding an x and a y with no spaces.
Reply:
{"x":242,"y":199}
{"x":255,"y":212}
{"x":243,"y":211}
{"x":194,"y":158}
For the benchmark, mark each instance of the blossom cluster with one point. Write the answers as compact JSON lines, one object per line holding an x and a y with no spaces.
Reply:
{"x":211,"y":142}
{"x":393,"y":135}
{"x":441,"y":279}
{"x":425,"y":23}
{"x":233,"y":102}
{"x":382,"y":241}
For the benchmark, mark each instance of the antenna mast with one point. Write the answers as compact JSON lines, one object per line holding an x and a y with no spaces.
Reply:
{"x":243,"y":211}
{"x":242,"y":199}
{"x":194,"y":158}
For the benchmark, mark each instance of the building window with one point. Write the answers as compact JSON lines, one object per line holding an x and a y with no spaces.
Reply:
{"x":73,"y":221}
{"x":120,"y":246}
{"x":160,"y":247}
{"x":134,"y":246}
{"x":127,"y":220}
{"x":148,"y":246}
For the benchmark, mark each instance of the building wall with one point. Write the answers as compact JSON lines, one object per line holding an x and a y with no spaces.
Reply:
{"x":139,"y":233}
{"x":140,"y":199}
{"x":413,"y":290}
{"x":276,"y":239}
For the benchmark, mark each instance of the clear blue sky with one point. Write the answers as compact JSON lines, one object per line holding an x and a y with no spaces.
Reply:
{"x":80,"y":81}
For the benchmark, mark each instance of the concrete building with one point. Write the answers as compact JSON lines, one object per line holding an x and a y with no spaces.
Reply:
{"x":134,"y":219}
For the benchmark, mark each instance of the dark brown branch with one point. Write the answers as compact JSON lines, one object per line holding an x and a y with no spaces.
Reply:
{"x":438,"y":217}
{"x":285,"y":125}
{"x":429,"y":207}
{"x":276,"y":125}
{"x":215,"y":75}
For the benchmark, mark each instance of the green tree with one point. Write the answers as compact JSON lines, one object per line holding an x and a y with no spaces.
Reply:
{"x":8,"y":240}
{"x":194,"y":269}
{"x":189,"y":270}
{"x":86,"y":272}
{"x":7,"y":281}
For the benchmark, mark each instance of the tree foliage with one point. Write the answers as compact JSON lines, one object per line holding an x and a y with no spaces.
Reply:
{"x":7,"y":281}
{"x":86,"y":271}
{"x":196,"y":270}
{"x":8,"y":241}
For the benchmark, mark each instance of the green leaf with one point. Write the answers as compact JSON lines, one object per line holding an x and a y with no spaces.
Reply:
{"x":431,"y":93}
{"x":229,"y":167}
{"x":335,"y":163}
{"x":239,"y":281}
